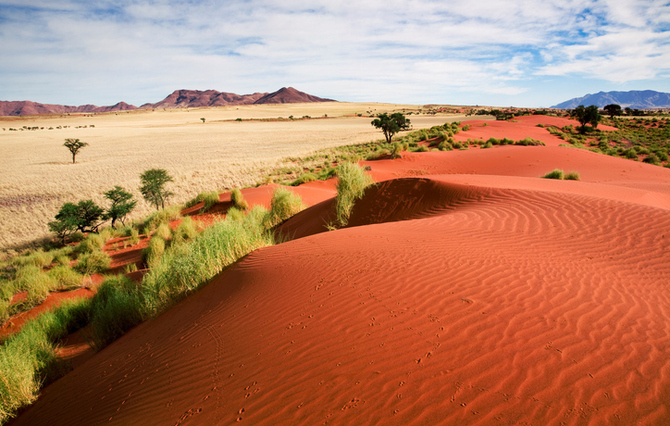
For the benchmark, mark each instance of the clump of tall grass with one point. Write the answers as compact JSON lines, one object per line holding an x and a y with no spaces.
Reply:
{"x":555,"y":174}
{"x":116,"y":308}
{"x":238,"y":199}
{"x":65,"y":277}
{"x":183,"y":268}
{"x":92,"y":243}
{"x":572,"y":176}
{"x":93,"y":263}
{"x":208,"y":198}
{"x":351,"y":183}
{"x":560,"y":175}
{"x":166,"y":215}
{"x":283,"y":205}
{"x":134,"y":237}
{"x":186,"y":231}
{"x":38,"y":258}
{"x":154,"y":251}
{"x":28,"y":358}
{"x":163,"y":231}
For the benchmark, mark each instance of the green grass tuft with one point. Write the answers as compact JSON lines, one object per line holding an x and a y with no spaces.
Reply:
{"x":572,"y":176}
{"x":283,"y":205}
{"x":351,"y":183}
{"x":555,"y":174}
{"x":93,"y":263}
{"x":238,"y":199}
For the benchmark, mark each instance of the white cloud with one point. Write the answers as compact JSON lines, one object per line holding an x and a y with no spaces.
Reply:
{"x":365,"y":50}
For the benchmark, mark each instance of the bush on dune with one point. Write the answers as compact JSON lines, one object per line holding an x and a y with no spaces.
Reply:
{"x":351,"y":183}
{"x":115,"y":309}
{"x":283,"y":205}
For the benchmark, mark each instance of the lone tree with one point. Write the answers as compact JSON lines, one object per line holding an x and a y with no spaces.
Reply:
{"x":74,"y":145}
{"x":84,"y":217}
{"x":391,"y":124}
{"x":122,"y":204}
{"x":153,"y":187}
{"x":588,"y":115}
{"x":613,"y":109}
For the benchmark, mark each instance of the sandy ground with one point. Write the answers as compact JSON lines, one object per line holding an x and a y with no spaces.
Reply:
{"x":37,"y":175}
{"x":466,"y":290}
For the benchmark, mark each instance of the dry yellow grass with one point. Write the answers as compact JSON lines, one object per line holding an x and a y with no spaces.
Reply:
{"x":37,"y":176}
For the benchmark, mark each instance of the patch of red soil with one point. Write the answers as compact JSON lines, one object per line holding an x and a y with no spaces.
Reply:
{"x":519,"y":128}
{"x":475,"y":293}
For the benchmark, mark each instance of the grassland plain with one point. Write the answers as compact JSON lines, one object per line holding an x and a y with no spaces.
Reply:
{"x":37,"y":176}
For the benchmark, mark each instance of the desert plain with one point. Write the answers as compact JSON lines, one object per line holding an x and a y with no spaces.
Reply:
{"x":37,"y":175}
{"x":465,"y":288}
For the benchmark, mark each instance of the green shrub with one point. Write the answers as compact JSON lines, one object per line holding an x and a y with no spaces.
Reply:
{"x":162,"y":216}
{"x":134,"y":237}
{"x":163,"y":231}
{"x":154,"y":251}
{"x":238,"y":200}
{"x":572,"y":176}
{"x":65,"y":277}
{"x":93,"y":263}
{"x":631,"y":154}
{"x":184,"y":268}
{"x":38,"y":258}
{"x":283,"y":205}
{"x":303,"y":178}
{"x":25,"y":276}
{"x":652,"y":159}
{"x":208,"y":198}
{"x":4,"y":310}
{"x":62,"y":260}
{"x":396,"y":150}
{"x":185,"y":231}
{"x":115,"y":309}
{"x":93,"y":242}
{"x":555,"y":174}
{"x":351,"y":183}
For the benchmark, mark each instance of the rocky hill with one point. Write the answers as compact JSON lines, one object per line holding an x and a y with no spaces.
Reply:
{"x":177,"y":99}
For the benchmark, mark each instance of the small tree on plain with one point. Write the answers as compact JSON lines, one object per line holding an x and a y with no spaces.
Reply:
{"x":74,"y":145}
{"x":391,"y":124}
{"x":613,"y":109}
{"x":122,"y":204}
{"x":203,"y":119}
{"x":153,"y":187}
{"x":588,"y":115}
{"x":84,"y":216}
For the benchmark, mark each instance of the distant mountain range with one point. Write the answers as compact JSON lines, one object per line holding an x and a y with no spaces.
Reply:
{"x":636,"y":99}
{"x":177,"y":99}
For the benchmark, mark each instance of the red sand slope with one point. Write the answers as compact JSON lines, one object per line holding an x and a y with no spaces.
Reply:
{"x":472,"y":299}
{"x":520,"y":128}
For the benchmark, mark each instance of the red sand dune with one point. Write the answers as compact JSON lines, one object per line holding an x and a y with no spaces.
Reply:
{"x":520,"y":128}
{"x":466,"y":291}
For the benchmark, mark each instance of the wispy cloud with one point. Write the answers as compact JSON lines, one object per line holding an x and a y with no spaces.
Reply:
{"x":101,"y":51}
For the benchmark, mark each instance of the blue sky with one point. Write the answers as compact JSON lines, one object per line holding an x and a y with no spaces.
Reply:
{"x":516,"y":52}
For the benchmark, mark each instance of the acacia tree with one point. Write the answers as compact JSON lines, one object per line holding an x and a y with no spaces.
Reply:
{"x":391,"y":124}
{"x":153,"y":187}
{"x":84,"y":217}
{"x":74,"y":145}
{"x":613,"y":109}
{"x":588,"y":115}
{"x":122,"y":204}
